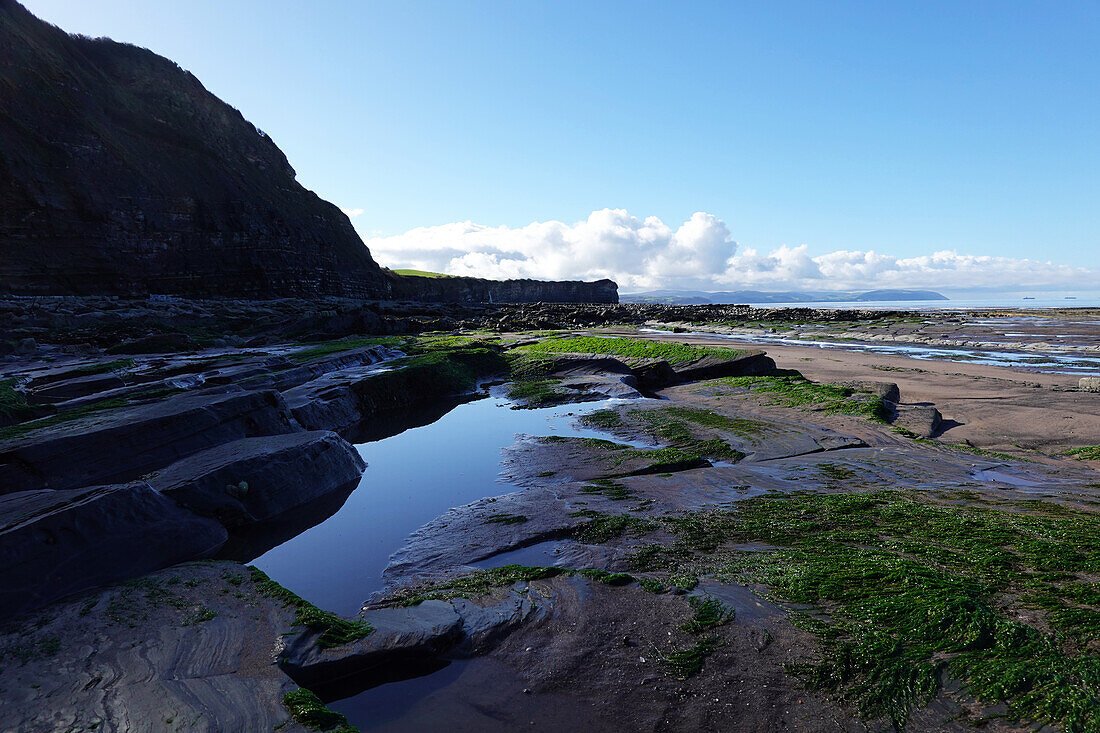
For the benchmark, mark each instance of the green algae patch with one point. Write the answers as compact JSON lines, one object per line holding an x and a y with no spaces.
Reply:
{"x":677,"y":427}
{"x":538,"y":393}
{"x":606,"y":419}
{"x":673,"y":353}
{"x":791,"y":389}
{"x":333,"y":630}
{"x":477,"y":583}
{"x":683,"y":663}
{"x":506,"y":519}
{"x":308,"y":710}
{"x":901,"y":592}
{"x":531,"y":386}
{"x":706,"y":614}
{"x":606,"y":527}
{"x":666,"y":418}
{"x":327,"y":348}
{"x":13,"y":405}
{"x":1085,"y":453}
{"x":613,"y":490}
{"x":108,"y":366}
{"x":76,"y":413}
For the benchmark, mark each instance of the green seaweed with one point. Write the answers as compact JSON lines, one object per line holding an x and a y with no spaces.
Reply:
{"x":673,"y":353}
{"x":473,"y":584}
{"x":333,"y":630}
{"x":506,"y":519}
{"x":606,"y":527}
{"x":1085,"y":453}
{"x":791,"y":389}
{"x":308,"y":709}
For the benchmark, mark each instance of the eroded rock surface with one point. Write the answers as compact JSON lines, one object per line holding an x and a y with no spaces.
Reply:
{"x":280,"y":473}
{"x":54,"y":543}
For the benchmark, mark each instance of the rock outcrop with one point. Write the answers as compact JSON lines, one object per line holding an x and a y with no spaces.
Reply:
{"x":284,"y":472}
{"x":120,"y":173}
{"x":477,"y":290}
{"x":56,"y":543}
{"x":126,"y":443}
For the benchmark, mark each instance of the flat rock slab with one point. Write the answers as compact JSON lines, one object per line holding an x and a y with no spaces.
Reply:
{"x":126,"y":443}
{"x":256,"y":479}
{"x":616,"y":386}
{"x":57,"y":542}
{"x":191,"y":647}
{"x":402,"y":637}
{"x":466,"y":534}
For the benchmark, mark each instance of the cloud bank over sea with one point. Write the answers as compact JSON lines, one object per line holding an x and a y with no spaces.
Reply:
{"x":698,"y":254}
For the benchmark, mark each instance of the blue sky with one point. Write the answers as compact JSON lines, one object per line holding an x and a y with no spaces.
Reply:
{"x":899,"y":128}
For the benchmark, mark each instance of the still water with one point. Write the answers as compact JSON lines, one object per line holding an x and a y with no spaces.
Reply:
{"x":411,"y":478}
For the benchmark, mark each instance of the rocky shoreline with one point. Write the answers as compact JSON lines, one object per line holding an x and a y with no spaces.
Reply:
{"x":129,"y":476}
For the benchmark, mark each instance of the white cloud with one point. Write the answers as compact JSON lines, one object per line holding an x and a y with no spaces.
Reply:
{"x":700,"y":254}
{"x":352,"y":213}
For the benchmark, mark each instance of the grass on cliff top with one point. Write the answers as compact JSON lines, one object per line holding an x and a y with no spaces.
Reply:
{"x":791,"y":389}
{"x":333,"y":630}
{"x":1007,"y":602}
{"x":673,"y":353}
{"x":421,"y":273}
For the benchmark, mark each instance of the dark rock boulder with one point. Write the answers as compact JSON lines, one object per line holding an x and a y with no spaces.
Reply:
{"x":121,"y":174}
{"x":886,"y":390}
{"x":55,"y":543}
{"x":749,"y":363}
{"x":922,"y":420}
{"x":128,"y":442}
{"x":256,"y":479}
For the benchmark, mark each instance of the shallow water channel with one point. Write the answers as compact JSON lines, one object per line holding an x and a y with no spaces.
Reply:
{"x":1037,"y":361}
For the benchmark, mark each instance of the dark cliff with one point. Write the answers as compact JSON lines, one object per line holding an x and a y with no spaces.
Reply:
{"x":476,"y":290}
{"x":121,"y":174}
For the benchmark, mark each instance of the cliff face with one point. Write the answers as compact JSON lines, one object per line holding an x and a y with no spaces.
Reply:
{"x":120,"y":173}
{"x":476,"y":290}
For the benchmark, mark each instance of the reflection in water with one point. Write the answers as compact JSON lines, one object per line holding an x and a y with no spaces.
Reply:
{"x":384,"y":704}
{"x":411,"y":478}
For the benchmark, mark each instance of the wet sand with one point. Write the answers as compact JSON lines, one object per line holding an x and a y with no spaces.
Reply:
{"x":998,"y":408}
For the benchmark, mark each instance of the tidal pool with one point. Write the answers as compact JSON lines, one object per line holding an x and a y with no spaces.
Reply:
{"x":411,"y":478}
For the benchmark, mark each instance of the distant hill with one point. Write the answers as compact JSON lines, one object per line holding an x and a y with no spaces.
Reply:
{"x":697,"y":297}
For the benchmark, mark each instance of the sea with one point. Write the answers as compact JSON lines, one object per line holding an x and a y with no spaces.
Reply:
{"x":945,"y":305}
